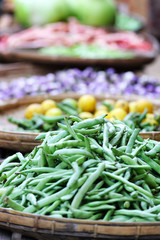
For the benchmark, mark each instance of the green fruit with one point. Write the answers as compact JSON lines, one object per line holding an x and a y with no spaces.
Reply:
{"x":94,"y":12}
{"x":71,"y":102}
{"x":40,"y":12}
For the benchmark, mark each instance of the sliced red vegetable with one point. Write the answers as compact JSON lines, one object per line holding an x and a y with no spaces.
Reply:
{"x":71,"y":33}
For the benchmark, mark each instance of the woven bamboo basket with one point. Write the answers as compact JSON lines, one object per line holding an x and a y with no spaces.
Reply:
{"x":25,"y":141}
{"x":47,"y":228}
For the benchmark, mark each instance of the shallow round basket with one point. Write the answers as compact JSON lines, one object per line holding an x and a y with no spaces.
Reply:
{"x":10,"y":138}
{"x":33,"y":56}
{"x":47,"y":228}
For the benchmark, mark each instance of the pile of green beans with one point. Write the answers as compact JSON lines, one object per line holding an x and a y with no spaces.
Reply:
{"x":135,"y":120}
{"x":92,"y":169}
{"x":39,"y":123}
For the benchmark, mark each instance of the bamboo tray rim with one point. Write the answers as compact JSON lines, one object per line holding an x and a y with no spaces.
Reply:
{"x":69,"y":227}
{"x":74,"y":220}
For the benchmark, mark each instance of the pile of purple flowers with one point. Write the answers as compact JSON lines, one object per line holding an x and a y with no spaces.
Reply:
{"x":82,"y":81}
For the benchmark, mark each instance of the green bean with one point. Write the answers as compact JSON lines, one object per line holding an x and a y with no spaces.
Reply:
{"x":124,"y":139}
{"x":145,"y":167}
{"x":107,"y":180}
{"x":18,"y":170}
{"x":32,"y":199}
{"x":95,"y":146}
{"x":39,"y":170}
{"x":13,"y":204}
{"x":40,"y":136}
{"x":58,"y":137}
{"x":75,"y":118}
{"x":74,"y":143}
{"x":111,"y":128}
{"x":96,"y":216}
{"x":108,"y":215}
{"x":43,"y":182}
{"x":47,"y":200}
{"x":34,"y":191}
{"x":119,"y":153}
{"x":20,"y":157}
{"x":49,"y":119}
{"x":71,"y":151}
{"x":154,"y":150}
{"x":117,"y":137}
{"x":67,"y":109}
{"x":133,"y":162}
{"x":60,"y":212}
{"x":150,"y":162}
{"x":80,"y":213}
{"x":120,"y":171}
{"x":80,"y":160}
{"x":143,"y":205}
{"x":92,"y":178}
{"x":6,"y":161}
{"x":134,"y":194}
{"x":115,"y":195}
{"x":136,"y":151}
{"x":50,"y":199}
{"x":18,"y":180}
{"x":61,"y":165}
{"x":119,"y":218}
{"x":77,"y":172}
{"x":101,"y":207}
{"x":135,"y":213}
{"x":88,"y":123}
{"x":128,"y":188}
{"x":126,"y":204}
{"x":132,"y":140}
{"x":153,"y":209}
{"x":123,"y":180}
{"x":88,"y":145}
{"x":122,"y":148}
{"x":136,"y":206}
{"x":10,"y":165}
{"x":109,"y":189}
{"x":145,"y":186}
{"x":33,"y":153}
{"x":88,"y":131}
{"x":95,"y":204}
{"x":6,"y":192}
{"x":51,"y":208}
{"x":59,"y":182}
{"x":140,"y":176}
{"x":23,"y":200}
{"x":108,"y":154}
{"x":46,"y":158}
{"x":56,"y":215}
{"x":92,"y":198}
{"x":105,"y":136}
{"x":68,"y":196}
{"x":6,"y":175}
{"x":98,"y":185}
{"x":138,"y":219}
{"x":70,"y":130}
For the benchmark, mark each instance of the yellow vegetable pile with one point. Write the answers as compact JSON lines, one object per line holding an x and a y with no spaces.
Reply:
{"x":88,"y":107}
